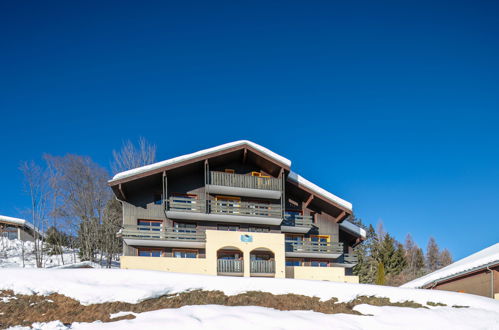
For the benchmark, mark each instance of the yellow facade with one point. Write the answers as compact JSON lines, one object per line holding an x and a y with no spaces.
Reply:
{"x":247,"y":243}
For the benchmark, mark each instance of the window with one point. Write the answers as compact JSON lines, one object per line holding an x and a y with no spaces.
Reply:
{"x":294,"y":237}
{"x":185,"y":254}
{"x":154,"y":225}
{"x":157,"y":199}
{"x":261,"y":257}
{"x":229,"y":170}
{"x":183,"y":227}
{"x":319,"y":263}
{"x":256,"y":173}
{"x":145,"y":252}
{"x":259,"y":229}
{"x":228,"y":227}
{"x":320,"y":238}
{"x":293,"y":262}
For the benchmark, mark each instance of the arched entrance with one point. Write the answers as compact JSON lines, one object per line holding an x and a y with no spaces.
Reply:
{"x":262,"y":262}
{"x":230,"y":261}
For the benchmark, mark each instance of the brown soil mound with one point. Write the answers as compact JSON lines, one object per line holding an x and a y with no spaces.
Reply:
{"x":27,"y":309}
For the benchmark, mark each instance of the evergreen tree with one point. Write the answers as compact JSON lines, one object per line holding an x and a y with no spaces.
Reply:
{"x":432,"y":255}
{"x":366,"y":267}
{"x":380,"y":277}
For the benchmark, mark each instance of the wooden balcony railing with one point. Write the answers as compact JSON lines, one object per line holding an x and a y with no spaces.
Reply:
{"x":262,"y":266}
{"x":229,"y":207}
{"x":244,"y":181}
{"x":297,"y":220}
{"x":230,"y":266}
{"x":314,"y":247}
{"x":162,"y":233}
{"x":186,"y":204}
{"x":350,"y":258}
{"x":245,"y":208}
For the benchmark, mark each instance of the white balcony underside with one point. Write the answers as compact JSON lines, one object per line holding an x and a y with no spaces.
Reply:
{"x":182,"y":215}
{"x":312,"y":255}
{"x":247,"y":192}
{"x":343,"y":265}
{"x":164,"y":243}
{"x":292,"y":229}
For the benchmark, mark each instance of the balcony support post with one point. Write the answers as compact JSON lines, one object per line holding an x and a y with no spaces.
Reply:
{"x":283,"y":195}
{"x":206,"y":184}
{"x":165,"y":190}
{"x":341,"y":217}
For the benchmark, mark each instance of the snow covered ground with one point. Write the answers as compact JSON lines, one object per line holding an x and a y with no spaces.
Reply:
{"x":11,"y":255}
{"x":107,"y":285}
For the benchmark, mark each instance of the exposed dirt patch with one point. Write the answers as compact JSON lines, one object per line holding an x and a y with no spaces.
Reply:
{"x":27,"y":309}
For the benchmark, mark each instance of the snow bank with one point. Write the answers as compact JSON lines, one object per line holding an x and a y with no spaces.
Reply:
{"x":201,"y":153}
{"x":108,"y":285}
{"x":482,"y":258}
{"x":249,"y":317}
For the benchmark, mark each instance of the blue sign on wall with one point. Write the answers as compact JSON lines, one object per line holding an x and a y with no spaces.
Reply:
{"x":246,"y":238}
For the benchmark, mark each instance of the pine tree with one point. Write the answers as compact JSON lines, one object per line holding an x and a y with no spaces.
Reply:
{"x":445,"y":258}
{"x":366,"y":267}
{"x":432,"y":255}
{"x":380,"y":277}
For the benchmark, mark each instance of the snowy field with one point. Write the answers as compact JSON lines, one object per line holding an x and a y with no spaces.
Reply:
{"x":107,"y":285}
{"x":11,"y":255}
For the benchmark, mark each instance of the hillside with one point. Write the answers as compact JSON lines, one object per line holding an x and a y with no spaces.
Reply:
{"x":83,"y":298}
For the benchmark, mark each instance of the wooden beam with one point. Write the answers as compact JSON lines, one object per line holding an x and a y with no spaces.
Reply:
{"x":122,"y":192}
{"x":308,"y":201}
{"x":245,"y":155}
{"x":341,"y":217}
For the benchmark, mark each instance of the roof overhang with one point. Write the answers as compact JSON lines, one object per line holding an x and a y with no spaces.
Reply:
{"x":462,"y":274}
{"x":199,"y":156}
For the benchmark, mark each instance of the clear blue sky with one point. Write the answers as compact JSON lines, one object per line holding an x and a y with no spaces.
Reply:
{"x":393,"y":106}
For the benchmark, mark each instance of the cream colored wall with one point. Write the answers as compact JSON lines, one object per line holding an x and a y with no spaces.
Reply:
{"x":496,"y":296}
{"x":217,"y":239}
{"x":175,"y":265}
{"x":336,"y":274}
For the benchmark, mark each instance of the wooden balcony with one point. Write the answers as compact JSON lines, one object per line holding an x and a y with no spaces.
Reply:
{"x":187,"y":208}
{"x":313,"y":249}
{"x":296,"y":223}
{"x":163,"y":237}
{"x":244,"y":185}
{"x":262,"y":268}
{"x":230,"y":267}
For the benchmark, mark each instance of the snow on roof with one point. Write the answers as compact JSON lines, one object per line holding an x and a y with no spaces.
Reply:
{"x":292,"y":175}
{"x":14,"y":221}
{"x":354,"y":229}
{"x":480,"y":259}
{"x":318,"y":190}
{"x":201,"y":153}
{"x":17,"y":221}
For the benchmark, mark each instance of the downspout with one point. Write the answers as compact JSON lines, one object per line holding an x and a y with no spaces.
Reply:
{"x":491,"y":282}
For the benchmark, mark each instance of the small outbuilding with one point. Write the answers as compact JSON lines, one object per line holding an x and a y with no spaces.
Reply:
{"x":15,"y":228}
{"x":477,"y":274}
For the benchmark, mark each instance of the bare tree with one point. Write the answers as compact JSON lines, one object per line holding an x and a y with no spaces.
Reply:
{"x":432,"y":255}
{"x":131,"y":156}
{"x":35,"y":185}
{"x":445,"y":258}
{"x":83,"y":195}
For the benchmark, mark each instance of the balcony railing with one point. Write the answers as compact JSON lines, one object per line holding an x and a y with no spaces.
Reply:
{"x":245,"y":208}
{"x":229,"y":207}
{"x":314,"y":247}
{"x":297,"y":220}
{"x":244,"y":181}
{"x":262,"y":266}
{"x":230,"y":266}
{"x":186,"y":204}
{"x":350,"y":258}
{"x":162,"y":233}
